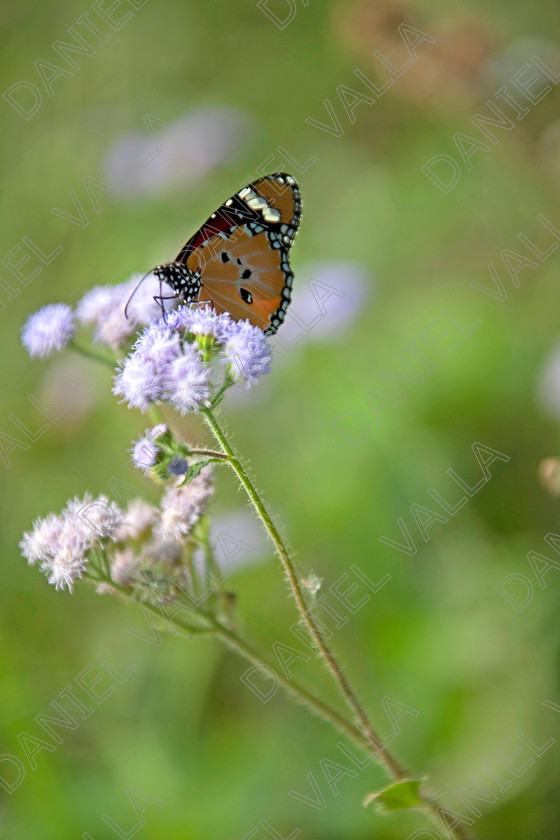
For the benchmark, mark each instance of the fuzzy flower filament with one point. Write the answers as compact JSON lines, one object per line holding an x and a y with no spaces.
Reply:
{"x":103,"y":308}
{"x":247,"y":353}
{"x":172,"y":361}
{"x":50,"y":328}
{"x":60,"y":544}
{"x":186,"y":382}
{"x":159,"y":454}
{"x":138,"y":382}
{"x":144,"y":454}
{"x":182,"y":507}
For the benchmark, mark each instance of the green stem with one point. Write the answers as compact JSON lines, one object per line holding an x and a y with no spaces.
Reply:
{"x":219,"y":456}
{"x":242,"y":648}
{"x":233,"y":641}
{"x":155,"y":414}
{"x":216,"y":399}
{"x":185,"y":629}
{"x":213,"y":576}
{"x":370,"y":737}
{"x":91,"y":354}
{"x":298,"y":692}
{"x":391,"y":764}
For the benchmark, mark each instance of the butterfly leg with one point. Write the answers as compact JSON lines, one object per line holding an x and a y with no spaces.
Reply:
{"x":159,"y":300}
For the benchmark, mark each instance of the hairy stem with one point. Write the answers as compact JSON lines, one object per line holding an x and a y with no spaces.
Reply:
{"x":392,"y":766}
{"x":126,"y":593}
{"x":233,"y":641}
{"x":370,"y":738}
{"x":219,"y":456}
{"x":230,"y":638}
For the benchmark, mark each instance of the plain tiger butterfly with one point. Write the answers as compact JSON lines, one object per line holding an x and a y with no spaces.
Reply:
{"x":238,"y":260}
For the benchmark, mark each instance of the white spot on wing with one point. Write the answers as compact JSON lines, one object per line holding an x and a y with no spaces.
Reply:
{"x":271,"y":214}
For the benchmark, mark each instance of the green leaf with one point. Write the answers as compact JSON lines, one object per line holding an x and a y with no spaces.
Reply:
{"x":397,"y":797}
{"x":196,"y":469}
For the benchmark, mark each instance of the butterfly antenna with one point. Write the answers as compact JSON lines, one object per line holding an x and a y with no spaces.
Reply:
{"x":134,"y":292}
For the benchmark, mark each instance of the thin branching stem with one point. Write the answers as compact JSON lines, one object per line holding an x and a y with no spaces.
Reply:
{"x":370,"y":738}
{"x":232,"y":640}
{"x":392,"y":766}
{"x":210,"y":453}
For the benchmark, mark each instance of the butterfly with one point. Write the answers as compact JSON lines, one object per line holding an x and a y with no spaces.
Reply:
{"x":238,"y":260}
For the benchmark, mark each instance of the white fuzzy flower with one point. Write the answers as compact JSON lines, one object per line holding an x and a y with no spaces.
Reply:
{"x":99,"y":517}
{"x":157,"y":431}
{"x":48,"y":329}
{"x":182,"y":507}
{"x":114,"y":329}
{"x":36,"y":545}
{"x":66,"y":559}
{"x":60,"y":543}
{"x":186,"y":383}
{"x":247,"y":352}
{"x":158,"y":345}
{"x":202,"y":321}
{"x":144,"y":454}
{"x":98,"y":303}
{"x":136,"y":522}
{"x":124,"y":566}
{"x":138,"y":382}
{"x":104,"y":308}
{"x":64,"y":569}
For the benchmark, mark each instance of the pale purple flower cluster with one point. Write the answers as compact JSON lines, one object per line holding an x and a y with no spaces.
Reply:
{"x":201,"y":321}
{"x":157,"y":534}
{"x":59,"y":544}
{"x":163,"y":368}
{"x":103,"y":307}
{"x":247,"y":353}
{"x":123,"y":568}
{"x":182,"y":507}
{"x":141,"y":537}
{"x":145,"y":450}
{"x":136,"y":522}
{"x":144,"y":454}
{"x":167,"y":365}
{"x":48,"y":329}
{"x":186,"y":381}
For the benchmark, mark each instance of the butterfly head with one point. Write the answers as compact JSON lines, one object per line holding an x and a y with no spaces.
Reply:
{"x":184,"y":283}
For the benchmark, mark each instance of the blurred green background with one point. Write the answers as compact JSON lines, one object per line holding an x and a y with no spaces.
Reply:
{"x":438,"y":637}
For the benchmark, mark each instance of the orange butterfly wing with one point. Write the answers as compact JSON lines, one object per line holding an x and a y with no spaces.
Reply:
{"x":241,"y":252}
{"x":243,"y":275}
